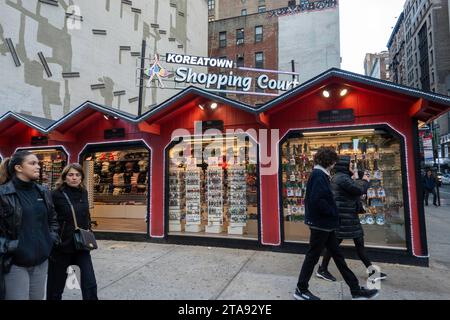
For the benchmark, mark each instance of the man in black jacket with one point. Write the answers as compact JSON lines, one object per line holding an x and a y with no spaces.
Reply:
{"x":321,"y":215}
{"x":429,"y":186}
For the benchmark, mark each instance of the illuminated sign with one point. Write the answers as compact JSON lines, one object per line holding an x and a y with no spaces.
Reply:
{"x":199,"y":61}
{"x":218,"y":81}
{"x":213,"y":81}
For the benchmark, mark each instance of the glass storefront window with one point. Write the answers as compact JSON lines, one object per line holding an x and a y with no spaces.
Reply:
{"x":118,"y":186}
{"x":374,"y":151}
{"x":52,"y":163}
{"x":213,"y":187}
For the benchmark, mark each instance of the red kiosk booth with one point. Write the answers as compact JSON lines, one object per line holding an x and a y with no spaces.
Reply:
{"x":203,"y":169}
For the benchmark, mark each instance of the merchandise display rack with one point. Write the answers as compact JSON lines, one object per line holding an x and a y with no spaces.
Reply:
{"x":176,"y":198}
{"x":194,"y":177}
{"x":237,"y":199}
{"x":215,"y":199}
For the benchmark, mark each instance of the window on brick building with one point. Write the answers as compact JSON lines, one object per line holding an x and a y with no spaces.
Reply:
{"x":258,"y":33}
{"x":240,"y":60}
{"x":240,"y":36}
{"x":243,"y":12}
{"x":259,"y":60}
{"x":262,"y":9}
{"x":222,"y":39}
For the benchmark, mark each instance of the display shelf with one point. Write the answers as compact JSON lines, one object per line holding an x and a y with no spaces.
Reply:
{"x":176,"y":198}
{"x":237,"y":199}
{"x":215,"y":198}
{"x":120,"y":198}
{"x":193,"y":183}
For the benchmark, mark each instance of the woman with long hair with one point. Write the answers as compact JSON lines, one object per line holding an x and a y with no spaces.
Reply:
{"x":28,"y":228}
{"x":70,"y":191}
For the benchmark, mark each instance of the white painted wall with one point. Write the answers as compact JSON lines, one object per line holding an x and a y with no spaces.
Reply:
{"x":35,"y":27}
{"x":312,"y":40}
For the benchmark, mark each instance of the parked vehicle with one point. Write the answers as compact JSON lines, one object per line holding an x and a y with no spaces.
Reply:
{"x":445,"y":178}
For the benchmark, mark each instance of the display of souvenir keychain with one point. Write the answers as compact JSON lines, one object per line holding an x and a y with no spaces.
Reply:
{"x":292,"y":160}
{"x":380,"y":220}
{"x":381,"y":193}
{"x":362,"y":218}
{"x":290,"y":191}
{"x":377,"y":174}
{"x":371,"y":193}
{"x":370,"y":219}
{"x":292,"y":177}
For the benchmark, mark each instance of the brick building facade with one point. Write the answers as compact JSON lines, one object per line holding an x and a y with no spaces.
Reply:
{"x":289,"y":36}
{"x":260,"y":41}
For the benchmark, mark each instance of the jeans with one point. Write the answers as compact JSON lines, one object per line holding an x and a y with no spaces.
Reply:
{"x":318,"y":241}
{"x":26,"y":283}
{"x":360,"y":250}
{"x":57,"y":274}
{"x":427,"y":194}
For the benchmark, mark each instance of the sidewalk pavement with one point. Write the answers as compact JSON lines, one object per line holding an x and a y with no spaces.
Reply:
{"x":135,"y":271}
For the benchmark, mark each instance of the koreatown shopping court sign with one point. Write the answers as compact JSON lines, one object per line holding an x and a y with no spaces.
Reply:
{"x":215,"y":81}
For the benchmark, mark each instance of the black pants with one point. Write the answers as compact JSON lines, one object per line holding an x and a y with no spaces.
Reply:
{"x":318,"y":241}
{"x":427,"y":194}
{"x":57,"y":274}
{"x":360,"y":250}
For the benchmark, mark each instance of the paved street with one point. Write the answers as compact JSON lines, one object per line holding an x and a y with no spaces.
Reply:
{"x":445,"y":195}
{"x":127,"y":270}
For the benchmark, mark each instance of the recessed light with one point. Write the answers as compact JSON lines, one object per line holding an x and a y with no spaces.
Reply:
{"x":201,"y":107}
{"x":326,"y":93}
{"x":344,"y":92}
{"x":213,"y":106}
{"x":106,"y":117}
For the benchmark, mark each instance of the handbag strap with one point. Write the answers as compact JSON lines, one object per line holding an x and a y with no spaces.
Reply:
{"x":73,"y":210}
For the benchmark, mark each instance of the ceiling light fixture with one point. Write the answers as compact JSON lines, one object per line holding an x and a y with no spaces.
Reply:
{"x":344,"y":92}
{"x":326,"y":93}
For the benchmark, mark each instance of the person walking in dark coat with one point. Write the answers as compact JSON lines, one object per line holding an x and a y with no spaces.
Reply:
{"x":347,"y":194}
{"x":321,"y":215}
{"x":28,"y":229}
{"x":72,"y":184}
{"x":429,"y":186}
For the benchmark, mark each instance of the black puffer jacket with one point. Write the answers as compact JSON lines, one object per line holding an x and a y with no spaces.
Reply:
{"x":347,"y":193}
{"x":79,"y":199}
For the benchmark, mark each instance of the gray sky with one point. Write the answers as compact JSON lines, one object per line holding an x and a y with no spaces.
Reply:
{"x":365,"y":28}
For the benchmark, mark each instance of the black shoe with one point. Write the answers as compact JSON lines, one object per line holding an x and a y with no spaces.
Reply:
{"x":377,"y":277}
{"x":325,"y":275}
{"x":304,"y":295}
{"x":364,"y":294}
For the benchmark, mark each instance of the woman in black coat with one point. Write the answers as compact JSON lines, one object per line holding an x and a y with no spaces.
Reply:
{"x":347,"y":194}
{"x":28,"y":229}
{"x":71,"y":183}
